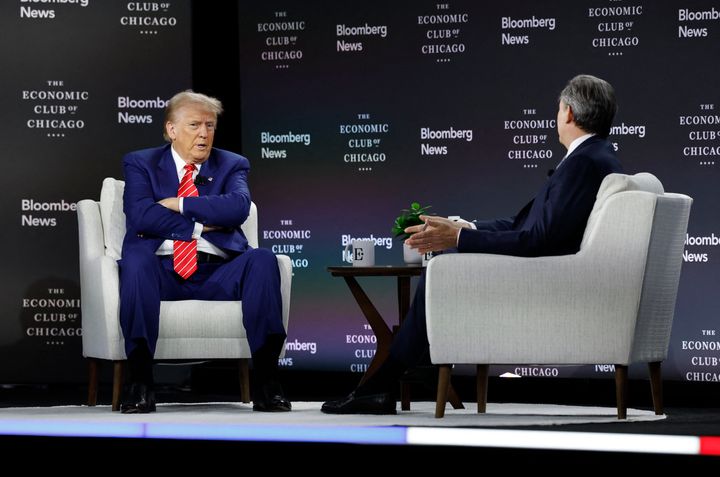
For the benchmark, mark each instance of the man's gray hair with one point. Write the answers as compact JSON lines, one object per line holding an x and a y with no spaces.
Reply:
{"x":184,"y":98}
{"x":593,"y":103}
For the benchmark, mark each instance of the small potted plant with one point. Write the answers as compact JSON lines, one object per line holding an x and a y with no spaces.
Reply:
{"x":408,"y":218}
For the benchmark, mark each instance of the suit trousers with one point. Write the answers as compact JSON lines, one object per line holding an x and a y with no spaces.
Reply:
{"x":252,"y":277}
{"x":410,"y":345}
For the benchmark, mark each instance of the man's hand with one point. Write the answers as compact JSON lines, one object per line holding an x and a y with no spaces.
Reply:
{"x":437,"y":233}
{"x":210,"y":228}
{"x":172,"y":203}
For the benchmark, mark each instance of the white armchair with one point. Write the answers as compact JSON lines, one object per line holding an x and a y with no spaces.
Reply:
{"x":611,"y":303}
{"x":218,"y":335}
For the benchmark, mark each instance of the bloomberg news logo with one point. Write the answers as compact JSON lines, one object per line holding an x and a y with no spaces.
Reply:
{"x":691,"y":30}
{"x":296,"y":347}
{"x":281,"y":139}
{"x":346,"y":239}
{"x":702,"y":252}
{"x":139,"y":110}
{"x":43,"y":214}
{"x":30,"y":9}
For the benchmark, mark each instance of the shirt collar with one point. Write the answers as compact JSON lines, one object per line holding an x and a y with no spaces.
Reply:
{"x":180,"y":164}
{"x":574,"y":145}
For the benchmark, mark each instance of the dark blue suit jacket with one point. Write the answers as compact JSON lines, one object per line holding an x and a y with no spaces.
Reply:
{"x":224,"y":200}
{"x":553,"y":223}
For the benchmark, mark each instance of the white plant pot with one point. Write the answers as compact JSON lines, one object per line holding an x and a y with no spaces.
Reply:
{"x":411,"y":256}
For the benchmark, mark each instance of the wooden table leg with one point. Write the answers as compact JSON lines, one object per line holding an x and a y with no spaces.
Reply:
{"x":454,"y":399}
{"x":403,"y":294}
{"x":378,"y":325}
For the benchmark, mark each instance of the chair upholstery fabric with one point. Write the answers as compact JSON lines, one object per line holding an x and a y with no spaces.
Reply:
{"x":189,"y":329}
{"x":610,"y":303}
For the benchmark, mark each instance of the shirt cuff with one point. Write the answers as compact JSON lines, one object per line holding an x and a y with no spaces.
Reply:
{"x":197,"y":231}
{"x":465,"y":222}
{"x":180,"y":204}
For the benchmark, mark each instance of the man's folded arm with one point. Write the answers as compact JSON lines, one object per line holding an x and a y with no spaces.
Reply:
{"x":144,"y":214}
{"x":229,"y":209}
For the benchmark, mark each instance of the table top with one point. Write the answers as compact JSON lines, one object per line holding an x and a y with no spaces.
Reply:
{"x":376,"y":271}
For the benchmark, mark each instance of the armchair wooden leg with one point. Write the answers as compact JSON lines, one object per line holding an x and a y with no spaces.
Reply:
{"x":656,"y":386}
{"x":482,"y":385}
{"x":621,"y":379}
{"x":245,"y":380}
{"x":442,"y":391}
{"x":118,"y":371}
{"x":93,"y":365}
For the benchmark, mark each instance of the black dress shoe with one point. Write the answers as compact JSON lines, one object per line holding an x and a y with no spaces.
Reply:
{"x":382,"y":403}
{"x":270,"y":398}
{"x":139,"y":400}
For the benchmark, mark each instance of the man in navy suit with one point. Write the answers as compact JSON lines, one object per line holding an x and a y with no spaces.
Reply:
{"x":160,"y":218}
{"x":552,"y":223}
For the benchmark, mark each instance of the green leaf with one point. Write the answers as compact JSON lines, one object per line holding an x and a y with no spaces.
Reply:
{"x":408,"y":218}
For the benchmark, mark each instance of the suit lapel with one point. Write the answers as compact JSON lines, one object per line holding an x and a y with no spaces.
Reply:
{"x":167,"y":175}
{"x":207,"y":171}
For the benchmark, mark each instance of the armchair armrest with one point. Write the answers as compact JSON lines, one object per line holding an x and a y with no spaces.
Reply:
{"x":99,"y":285}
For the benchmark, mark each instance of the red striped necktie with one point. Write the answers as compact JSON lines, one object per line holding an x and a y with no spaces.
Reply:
{"x":185,"y":253}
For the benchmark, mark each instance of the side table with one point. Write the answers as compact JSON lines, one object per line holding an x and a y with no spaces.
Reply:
{"x":380,"y":327}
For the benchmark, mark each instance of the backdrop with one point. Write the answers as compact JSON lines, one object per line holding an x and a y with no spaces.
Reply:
{"x":350,"y":111}
{"x":83,"y":82}
{"x":353,"y":110}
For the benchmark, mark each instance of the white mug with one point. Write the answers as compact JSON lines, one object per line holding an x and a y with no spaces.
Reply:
{"x":426,"y":258}
{"x":363,"y":253}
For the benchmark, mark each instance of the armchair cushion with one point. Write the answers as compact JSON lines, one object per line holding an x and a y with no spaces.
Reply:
{"x":614,"y":184}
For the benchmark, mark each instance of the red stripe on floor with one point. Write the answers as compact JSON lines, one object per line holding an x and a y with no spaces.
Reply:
{"x":709,"y":445}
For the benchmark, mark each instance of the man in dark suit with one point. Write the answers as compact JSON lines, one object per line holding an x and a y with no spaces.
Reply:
{"x":552,"y":223}
{"x":184,"y":203}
